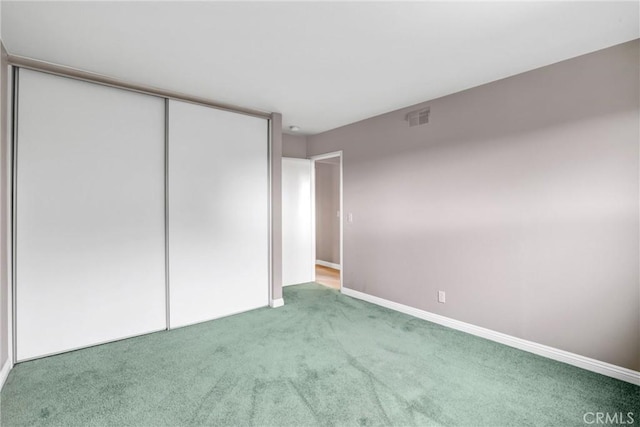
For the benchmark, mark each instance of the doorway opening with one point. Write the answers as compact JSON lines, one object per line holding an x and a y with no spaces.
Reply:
{"x":326,"y":196}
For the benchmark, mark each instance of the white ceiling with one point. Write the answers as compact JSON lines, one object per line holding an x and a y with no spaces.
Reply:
{"x":322,"y":65}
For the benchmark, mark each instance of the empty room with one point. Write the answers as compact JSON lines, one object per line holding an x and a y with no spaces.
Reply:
{"x":303,"y":213}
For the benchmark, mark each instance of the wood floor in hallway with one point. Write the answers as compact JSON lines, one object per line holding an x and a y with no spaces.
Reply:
{"x":328,"y":276}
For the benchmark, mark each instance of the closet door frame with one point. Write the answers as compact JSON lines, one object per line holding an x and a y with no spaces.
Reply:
{"x":18,"y":63}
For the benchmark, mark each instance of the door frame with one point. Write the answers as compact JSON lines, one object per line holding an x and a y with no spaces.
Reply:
{"x":314,"y":159}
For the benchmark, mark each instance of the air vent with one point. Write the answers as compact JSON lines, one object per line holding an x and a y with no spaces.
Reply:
{"x":418,"y":117}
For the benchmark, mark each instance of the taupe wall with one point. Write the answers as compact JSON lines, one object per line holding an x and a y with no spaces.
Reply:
{"x":276,"y":205}
{"x":327,"y":181}
{"x":520,"y":199}
{"x":4,"y":208}
{"x":294,"y":146}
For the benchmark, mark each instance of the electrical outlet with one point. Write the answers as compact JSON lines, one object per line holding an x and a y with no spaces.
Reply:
{"x":349,"y":217}
{"x":442,"y":297}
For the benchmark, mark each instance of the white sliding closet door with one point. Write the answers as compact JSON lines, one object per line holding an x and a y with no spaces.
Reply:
{"x":218,"y":213}
{"x":90,"y":214}
{"x":297,"y":222}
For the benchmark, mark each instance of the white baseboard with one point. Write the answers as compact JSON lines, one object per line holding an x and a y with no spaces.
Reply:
{"x":583,"y":362}
{"x":275,"y":303}
{"x":4,"y":372}
{"x":328,"y":264}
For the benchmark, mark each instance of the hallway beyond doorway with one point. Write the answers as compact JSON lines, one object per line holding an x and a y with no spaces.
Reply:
{"x":328,"y":276}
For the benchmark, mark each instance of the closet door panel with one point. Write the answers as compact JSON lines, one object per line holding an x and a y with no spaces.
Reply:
{"x":218,"y":213}
{"x":90,"y":214}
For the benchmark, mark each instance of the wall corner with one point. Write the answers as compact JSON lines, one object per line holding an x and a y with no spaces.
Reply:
{"x":275,"y":161}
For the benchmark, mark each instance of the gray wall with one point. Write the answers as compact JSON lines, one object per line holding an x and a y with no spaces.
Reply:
{"x":327,"y":205}
{"x":519,"y":199}
{"x":294,"y":146}
{"x":4,"y":208}
{"x":276,"y":205}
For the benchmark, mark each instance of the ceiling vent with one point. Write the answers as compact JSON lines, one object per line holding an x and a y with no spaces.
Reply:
{"x":418,"y":117}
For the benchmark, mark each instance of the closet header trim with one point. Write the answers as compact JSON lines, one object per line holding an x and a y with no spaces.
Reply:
{"x":64,"y":71}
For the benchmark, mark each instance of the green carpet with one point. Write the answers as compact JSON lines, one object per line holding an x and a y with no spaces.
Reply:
{"x":322,"y":359}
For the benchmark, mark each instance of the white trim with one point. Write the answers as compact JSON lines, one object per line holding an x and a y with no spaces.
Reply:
{"x":313,"y":208}
{"x":312,"y":204}
{"x":312,"y":165}
{"x":270,"y":206}
{"x":326,"y":155}
{"x":4,"y":372}
{"x":341,"y":222}
{"x":583,"y":362}
{"x":275,"y":303}
{"x":328,"y":264}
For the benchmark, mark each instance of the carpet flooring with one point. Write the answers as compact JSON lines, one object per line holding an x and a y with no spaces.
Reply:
{"x":322,"y":359}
